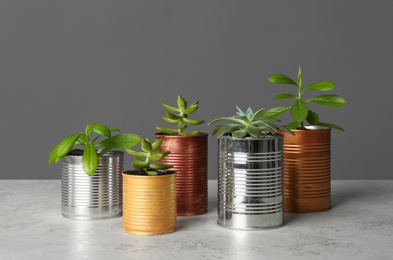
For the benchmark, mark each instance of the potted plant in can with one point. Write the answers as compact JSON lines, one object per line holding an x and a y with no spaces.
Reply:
{"x":91,"y":180}
{"x":188,"y":157}
{"x":307,"y":154}
{"x":149,"y":192}
{"x":249,"y":171}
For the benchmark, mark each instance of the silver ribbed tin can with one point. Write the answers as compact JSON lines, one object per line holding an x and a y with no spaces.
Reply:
{"x":92,"y":197}
{"x":250,"y":182}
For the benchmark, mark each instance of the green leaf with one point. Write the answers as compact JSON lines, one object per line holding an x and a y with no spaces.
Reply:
{"x":258,"y":114}
{"x":160,"y":166}
{"x":114,"y":129}
{"x":321,"y":86}
{"x":120,"y":141}
{"x":170,"y":108}
{"x":299,"y":77}
{"x":292,"y":125}
{"x":181,"y":126}
{"x":181,"y":103}
{"x":275,"y":112}
{"x":83,"y":139}
{"x":227,"y":118}
{"x":167,"y":131}
{"x":135,"y":153}
{"x":249,"y":113}
{"x":312,"y":118}
{"x":254,"y":131}
{"x":240,"y":133}
{"x":281,"y":79}
{"x":99,"y":129}
{"x":156,"y":157}
{"x":140,"y":165}
{"x":191,"y":109}
{"x":229,"y":128}
{"x":146,"y":145}
{"x":286,"y":129}
{"x":156,"y":144}
{"x":193,"y":121}
{"x":152,"y":173}
{"x":328,"y":100}
{"x":172,"y":116}
{"x":331,"y":126}
{"x":285,"y":96}
{"x":63,"y":148}
{"x":171,"y":121}
{"x":193,"y":133}
{"x":299,"y":110}
{"x":90,"y":159}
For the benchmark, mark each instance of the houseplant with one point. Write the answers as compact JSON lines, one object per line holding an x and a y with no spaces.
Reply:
{"x":249,"y":171}
{"x":307,"y":154}
{"x":149,"y":192}
{"x":188,"y":157}
{"x":91,"y":172}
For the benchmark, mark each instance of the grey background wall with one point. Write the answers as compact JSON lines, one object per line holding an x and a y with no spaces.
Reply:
{"x":64,"y":64}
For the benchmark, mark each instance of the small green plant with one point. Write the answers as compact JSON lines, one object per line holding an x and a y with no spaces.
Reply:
{"x":179,"y":116}
{"x":86,"y":139}
{"x":247,"y":124}
{"x":299,"y":110}
{"x":152,"y":157}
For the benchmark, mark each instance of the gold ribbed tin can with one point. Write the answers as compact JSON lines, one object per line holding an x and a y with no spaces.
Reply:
{"x":307,"y":170}
{"x":189,"y":159}
{"x":149,"y":204}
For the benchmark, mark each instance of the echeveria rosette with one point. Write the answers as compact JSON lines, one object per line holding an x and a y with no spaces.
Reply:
{"x":180,"y":117}
{"x":152,"y":157}
{"x":90,"y":154}
{"x":299,"y":109}
{"x":247,"y":124}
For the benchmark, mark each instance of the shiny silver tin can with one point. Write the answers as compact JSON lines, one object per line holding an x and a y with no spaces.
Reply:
{"x":250,"y":182}
{"x":92,"y":197}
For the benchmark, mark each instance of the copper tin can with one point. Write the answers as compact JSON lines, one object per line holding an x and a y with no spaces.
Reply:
{"x":149,"y":204}
{"x":189,"y":159}
{"x":307,"y":170}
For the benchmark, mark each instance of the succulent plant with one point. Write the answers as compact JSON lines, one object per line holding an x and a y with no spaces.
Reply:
{"x":179,"y":116}
{"x":152,"y":157}
{"x":90,"y":155}
{"x":299,"y":110}
{"x":247,"y":124}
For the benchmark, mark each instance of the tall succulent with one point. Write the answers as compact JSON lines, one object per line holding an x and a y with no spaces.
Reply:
{"x":299,"y":109}
{"x":179,"y":116}
{"x":151,"y":156}
{"x":247,"y":124}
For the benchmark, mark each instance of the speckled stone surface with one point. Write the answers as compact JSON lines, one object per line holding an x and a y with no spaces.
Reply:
{"x":360,"y":226}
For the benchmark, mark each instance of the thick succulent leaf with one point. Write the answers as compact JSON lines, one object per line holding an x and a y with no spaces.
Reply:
{"x":292,"y":125}
{"x":257,"y":114}
{"x":227,"y":119}
{"x":90,"y":159}
{"x":160,"y":166}
{"x":156,"y":144}
{"x":249,"y":113}
{"x":274,"y":112}
{"x":240,"y":112}
{"x":191,"y":109}
{"x":286,"y":129}
{"x":281,"y":79}
{"x":193,"y":121}
{"x":270,"y":125}
{"x":240,"y":133}
{"x":328,"y":100}
{"x":331,"y":126}
{"x":181,"y":102}
{"x":171,"y":121}
{"x":167,"y":131}
{"x":181,"y":126}
{"x":193,"y":133}
{"x":156,"y":157}
{"x":140,"y":165}
{"x":63,"y":148}
{"x":135,"y":153}
{"x":152,"y":173}
{"x":312,"y":118}
{"x":172,"y":116}
{"x":299,"y":110}
{"x":120,"y":141}
{"x":321,"y":86}
{"x":229,"y":128}
{"x":99,"y":129}
{"x":146,"y":145}
{"x":253,"y":131}
{"x":170,"y":108}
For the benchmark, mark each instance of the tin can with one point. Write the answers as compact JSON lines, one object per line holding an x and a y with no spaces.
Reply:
{"x":92,"y":197}
{"x":250,"y":182}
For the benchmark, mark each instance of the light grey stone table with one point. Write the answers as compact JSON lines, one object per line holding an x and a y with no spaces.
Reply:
{"x":360,"y":226}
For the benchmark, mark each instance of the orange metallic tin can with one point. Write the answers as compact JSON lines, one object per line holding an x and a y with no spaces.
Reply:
{"x":306,"y":174}
{"x":189,"y":159}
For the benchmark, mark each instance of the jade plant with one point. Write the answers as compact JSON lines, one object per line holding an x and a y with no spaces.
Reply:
{"x":299,"y":110}
{"x":179,"y":116}
{"x":150,"y":164}
{"x":92,"y":149}
{"x":247,"y":124}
